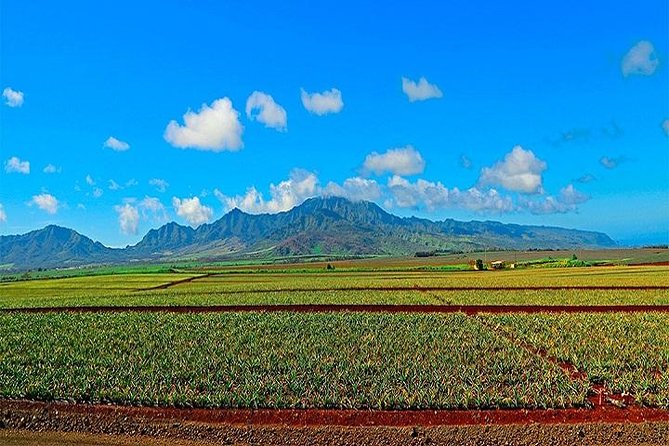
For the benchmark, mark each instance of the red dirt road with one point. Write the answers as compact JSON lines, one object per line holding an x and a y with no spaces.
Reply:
{"x":334,"y":417}
{"x":371,"y":308}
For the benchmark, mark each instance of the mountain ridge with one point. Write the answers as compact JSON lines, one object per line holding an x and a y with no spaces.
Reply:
{"x":322,"y":225}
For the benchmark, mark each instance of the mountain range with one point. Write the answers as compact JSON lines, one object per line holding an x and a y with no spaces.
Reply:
{"x":322,"y":226}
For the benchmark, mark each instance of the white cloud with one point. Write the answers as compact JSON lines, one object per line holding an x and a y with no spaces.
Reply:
{"x":13,"y":98}
{"x":3,"y":214}
{"x":401,"y":161}
{"x":151,"y":207}
{"x":640,"y":59}
{"x":50,"y":168}
{"x":89,"y":180}
{"x":128,"y":218}
{"x":329,"y":101}
{"x":421,"y":90}
{"x":665,"y":126}
{"x":113,"y":185}
{"x":46,"y":202}
{"x":433,"y":196}
{"x":116,"y":144}
{"x":97,"y":192}
{"x":215,"y":128}
{"x":160,"y":184}
{"x":131,"y":182}
{"x":289,"y":193}
{"x":355,"y":189}
{"x":262,"y":108}
{"x":569,"y":195}
{"x":520,"y":171}
{"x":567,"y":201}
{"x":15,"y":165}
{"x":194,"y":212}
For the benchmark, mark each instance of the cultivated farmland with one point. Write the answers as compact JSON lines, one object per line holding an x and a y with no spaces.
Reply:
{"x":347,"y":345}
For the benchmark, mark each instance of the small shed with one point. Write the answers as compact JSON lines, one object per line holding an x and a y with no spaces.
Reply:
{"x":497,"y":264}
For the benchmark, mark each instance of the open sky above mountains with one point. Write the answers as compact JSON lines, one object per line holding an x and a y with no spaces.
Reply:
{"x":118,"y":117}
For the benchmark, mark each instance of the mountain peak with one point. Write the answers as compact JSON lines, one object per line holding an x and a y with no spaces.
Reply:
{"x":325,"y":225}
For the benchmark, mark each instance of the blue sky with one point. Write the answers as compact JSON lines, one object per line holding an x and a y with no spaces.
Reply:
{"x":528,"y":112}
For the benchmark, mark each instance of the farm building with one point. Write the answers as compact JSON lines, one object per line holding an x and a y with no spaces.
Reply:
{"x":497,"y":264}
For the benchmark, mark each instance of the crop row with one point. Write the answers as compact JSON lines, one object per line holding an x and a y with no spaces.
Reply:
{"x":341,"y":360}
{"x":215,"y":295}
{"x":627,"y":353}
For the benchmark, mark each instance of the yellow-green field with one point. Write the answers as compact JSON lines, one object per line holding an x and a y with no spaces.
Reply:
{"x":350,"y":287}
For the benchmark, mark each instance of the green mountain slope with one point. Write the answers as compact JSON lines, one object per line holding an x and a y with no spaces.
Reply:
{"x":319,"y":225}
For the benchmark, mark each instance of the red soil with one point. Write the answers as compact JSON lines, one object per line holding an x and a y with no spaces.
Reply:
{"x":371,"y":308}
{"x":334,"y":417}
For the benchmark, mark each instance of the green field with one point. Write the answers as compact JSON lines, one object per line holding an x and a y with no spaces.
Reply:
{"x":629,"y":353}
{"x":338,"y":359}
{"x":346,"y":287}
{"x":274,"y":360}
{"x":343,"y":360}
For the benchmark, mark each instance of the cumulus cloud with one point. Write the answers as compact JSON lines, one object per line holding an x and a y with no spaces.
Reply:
{"x":611,"y":162}
{"x":215,"y":127}
{"x":116,"y":144}
{"x":152,"y":208}
{"x":421,"y":90}
{"x":97,"y":192}
{"x":50,"y":168}
{"x":128,"y":218}
{"x":400,"y":161}
{"x":355,"y":189}
{"x":13,"y":98}
{"x":640,"y":60}
{"x":191,"y":210}
{"x":520,"y":171}
{"x":289,"y":193}
{"x":262,"y":108}
{"x":46,"y":202}
{"x":3,"y":214}
{"x":89,"y":180}
{"x":160,"y":184}
{"x":113,"y":185}
{"x":567,"y":201}
{"x":433,"y":196}
{"x":665,"y":126}
{"x":16,"y":165}
{"x":329,"y":101}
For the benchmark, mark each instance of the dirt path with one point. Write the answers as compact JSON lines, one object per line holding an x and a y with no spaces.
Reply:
{"x":365,"y":308}
{"x":599,"y":395}
{"x":173,"y":283}
{"x":610,"y":426}
{"x":346,"y":417}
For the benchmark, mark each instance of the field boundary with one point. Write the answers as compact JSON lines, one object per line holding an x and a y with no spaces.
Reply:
{"x":164,"y":286}
{"x":358,"y":308}
{"x":352,"y":417}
